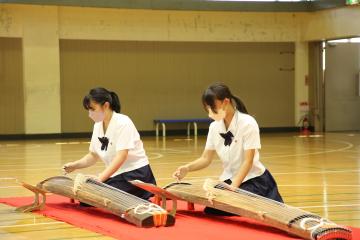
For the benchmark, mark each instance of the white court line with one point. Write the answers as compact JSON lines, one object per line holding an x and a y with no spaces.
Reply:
{"x":31,"y":224}
{"x":202,"y":178}
{"x":171,"y":178}
{"x":39,"y":154}
{"x":172,"y":163}
{"x":317,"y":172}
{"x":29,"y":169}
{"x":19,"y":165}
{"x":330,"y":206}
{"x":23,"y":146}
{"x":274,"y":173}
{"x":292,"y":147}
{"x":328,"y":185}
{"x":59,"y":168}
{"x":349,"y":145}
{"x":355,"y":151}
{"x":288,"y":173}
{"x":5,"y":154}
{"x":65,"y":143}
{"x":52,"y":167}
{"x":169,"y":150}
{"x":157,"y":156}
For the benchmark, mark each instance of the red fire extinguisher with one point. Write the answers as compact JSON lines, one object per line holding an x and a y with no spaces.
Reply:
{"x":305,"y":126}
{"x":304,"y":120}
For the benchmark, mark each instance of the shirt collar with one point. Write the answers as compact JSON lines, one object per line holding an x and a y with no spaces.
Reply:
{"x":232,"y":126}
{"x":108,"y":130}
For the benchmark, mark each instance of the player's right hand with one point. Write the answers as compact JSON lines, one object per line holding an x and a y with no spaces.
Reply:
{"x":69,"y":167}
{"x":180,"y":173}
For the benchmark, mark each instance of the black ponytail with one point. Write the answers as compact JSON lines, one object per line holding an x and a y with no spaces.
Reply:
{"x":101,"y":96}
{"x":115,"y":103}
{"x":219,"y":91}
{"x":239,"y":104}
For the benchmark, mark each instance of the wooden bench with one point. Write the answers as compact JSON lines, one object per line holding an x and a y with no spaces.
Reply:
{"x":189,"y":121}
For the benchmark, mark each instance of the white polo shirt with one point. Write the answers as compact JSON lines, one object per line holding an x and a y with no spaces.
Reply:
{"x":246,"y":136}
{"x":122,"y":134}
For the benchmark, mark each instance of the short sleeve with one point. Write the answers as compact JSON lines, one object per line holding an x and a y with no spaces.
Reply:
{"x":127,"y":136}
{"x":210,"y":145}
{"x":251,"y":137}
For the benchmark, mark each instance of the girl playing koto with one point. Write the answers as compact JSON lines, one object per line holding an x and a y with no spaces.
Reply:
{"x":117,"y":143}
{"x":234,"y":136}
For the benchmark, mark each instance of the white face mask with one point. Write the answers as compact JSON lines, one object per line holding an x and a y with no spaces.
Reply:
{"x":220,"y":115}
{"x":96,"y":116}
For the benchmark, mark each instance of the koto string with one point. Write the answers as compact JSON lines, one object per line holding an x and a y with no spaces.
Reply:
{"x":266,"y":204}
{"x":125,"y":200}
{"x":269,"y":204}
{"x":109,"y":191}
{"x":113,"y":194}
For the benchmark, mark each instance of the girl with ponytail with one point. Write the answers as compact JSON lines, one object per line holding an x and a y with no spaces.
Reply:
{"x":116,"y":141}
{"x":235,"y":137}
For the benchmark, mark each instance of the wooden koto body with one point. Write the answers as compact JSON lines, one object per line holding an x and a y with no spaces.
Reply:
{"x":135,"y":210}
{"x":221,"y":196}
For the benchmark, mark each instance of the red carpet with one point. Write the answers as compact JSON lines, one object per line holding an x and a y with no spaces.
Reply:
{"x":189,"y":224}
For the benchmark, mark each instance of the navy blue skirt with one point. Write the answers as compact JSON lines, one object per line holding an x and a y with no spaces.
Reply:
{"x":121,"y":181}
{"x":263,"y":185}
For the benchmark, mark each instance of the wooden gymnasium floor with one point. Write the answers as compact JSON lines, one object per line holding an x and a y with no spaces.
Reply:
{"x":319,"y":173}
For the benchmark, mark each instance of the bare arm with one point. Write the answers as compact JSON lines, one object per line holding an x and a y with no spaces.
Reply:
{"x":115,"y":164}
{"x":244,"y":168}
{"x":86,"y":161}
{"x":200,"y":163}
